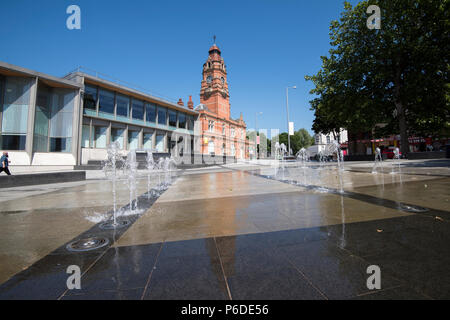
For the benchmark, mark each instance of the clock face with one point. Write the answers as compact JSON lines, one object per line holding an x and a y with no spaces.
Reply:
{"x":209,"y":79}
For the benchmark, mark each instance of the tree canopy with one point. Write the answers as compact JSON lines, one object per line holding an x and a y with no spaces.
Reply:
{"x":396,"y":75}
{"x":300,"y":139}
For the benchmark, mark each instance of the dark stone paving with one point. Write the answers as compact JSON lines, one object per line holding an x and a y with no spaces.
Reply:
{"x":46,"y":279}
{"x":357,"y":196}
{"x":294,"y":264}
{"x":327,"y":262}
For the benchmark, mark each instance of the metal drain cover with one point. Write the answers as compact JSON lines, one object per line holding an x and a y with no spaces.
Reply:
{"x":411,"y":208}
{"x":87,"y":244}
{"x":109,"y":225}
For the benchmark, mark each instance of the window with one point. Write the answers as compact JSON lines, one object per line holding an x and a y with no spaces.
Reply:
{"x":61,"y":120}
{"x":148,"y":144}
{"x":211,"y":126}
{"x":317,"y":139}
{"x":15,"y":113}
{"x":117,"y":136}
{"x":209,"y":79}
{"x":106,"y":101}
{"x":151,"y":113}
{"x":223,"y":129}
{"x":172,"y":118}
{"x":138,"y":110}
{"x":182,"y":120}
{"x":233,"y":150}
{"x":13,"y":142}
{"x":123,"y":105}
{"x":160,"y":142}
{"x":232,"y":131}
{"x":211,"y":147}
{"x":42,"y":119}
{"x":190,"y":123}
{"x":85,"y":137}
{"x":90,"y":97}
{"x":100,"y":137}
{"x":328,"y":139}
{"x":133,"y":140}
{"x":162,"y":119}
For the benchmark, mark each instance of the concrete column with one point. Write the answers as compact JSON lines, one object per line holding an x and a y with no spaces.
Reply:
{"x":154,"y":139}
{"x":30,"y":122}
{"x":108,"y":135}
{"x":141,"y":139}
{"x":91,"y":134}
{"x":77,"y":128}
{"x":125,"y":138}
{"x":166,"y":143}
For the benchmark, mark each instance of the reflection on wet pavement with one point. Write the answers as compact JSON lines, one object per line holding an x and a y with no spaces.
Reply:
{"x":237,"y":233}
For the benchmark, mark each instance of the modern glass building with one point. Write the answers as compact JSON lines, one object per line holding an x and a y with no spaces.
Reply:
{"x":47,"y":120}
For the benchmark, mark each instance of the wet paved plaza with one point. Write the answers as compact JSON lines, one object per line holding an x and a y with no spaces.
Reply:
{"x":236,"y":232}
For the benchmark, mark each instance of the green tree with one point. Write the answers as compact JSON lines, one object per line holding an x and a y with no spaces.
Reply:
{"x":397,"y":75}
{"x":300,"y":139}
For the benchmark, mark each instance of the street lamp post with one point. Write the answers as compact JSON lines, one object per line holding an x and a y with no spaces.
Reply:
{"x":256,"y":133}
{"x":287,"y":112}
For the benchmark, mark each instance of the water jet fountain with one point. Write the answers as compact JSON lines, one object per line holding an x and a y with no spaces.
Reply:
{"x":378,"y":161}
{"x":150,"y":168}
{"x":111,"y":168}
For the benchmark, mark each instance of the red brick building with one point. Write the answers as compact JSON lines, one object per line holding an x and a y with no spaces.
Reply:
{"x":220,"y":134}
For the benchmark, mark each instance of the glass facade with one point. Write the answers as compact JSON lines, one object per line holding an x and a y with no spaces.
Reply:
{"x":53,"y":129}
{"x":172,"y":118}
{"x":53,"y":119}
{"x":16,"y":99}
{"x":90,"y":98}
{"x":190,"y":123}
{"x":117,"y":136}
{"x":150,"y":114}
{"x":100,"y":137}
{"x":115,"y":106}
{"x":42,"y":119}
{"x":85,"y":136}
{"x":106,"y":101}
{"x":160,"y":142}
{"x":123,"y":105}
{"x":162,"y":118}
{"x":138,"y":110}
{"x":148,"y":144}
{"x":133,"y":140}
{"x":181,"y":120}
{"x":61,"y":120}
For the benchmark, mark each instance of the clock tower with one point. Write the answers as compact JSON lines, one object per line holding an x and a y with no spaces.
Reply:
{"x":220,"y":134}
{"x":214,"y":88}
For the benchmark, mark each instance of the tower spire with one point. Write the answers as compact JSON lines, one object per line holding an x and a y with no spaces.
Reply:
{"x":214,"y":37}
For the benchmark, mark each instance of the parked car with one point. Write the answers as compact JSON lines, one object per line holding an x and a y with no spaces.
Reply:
{"x":389,"y":152}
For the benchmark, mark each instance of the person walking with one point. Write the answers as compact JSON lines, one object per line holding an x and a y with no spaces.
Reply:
{"x":4,"y":163}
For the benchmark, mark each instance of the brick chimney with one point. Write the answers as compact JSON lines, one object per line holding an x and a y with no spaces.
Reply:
{"x":190,"y":103}
{"x":180,"y":102}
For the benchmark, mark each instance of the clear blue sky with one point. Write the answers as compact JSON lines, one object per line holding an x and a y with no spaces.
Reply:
{"x":162,"y":45}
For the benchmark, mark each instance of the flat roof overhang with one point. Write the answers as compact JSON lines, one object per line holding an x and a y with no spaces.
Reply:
{"x":10,"y":70}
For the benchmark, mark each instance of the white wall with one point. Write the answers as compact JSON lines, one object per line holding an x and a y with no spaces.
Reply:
{"x":53,"y":159}
{"x":18,"y":158}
